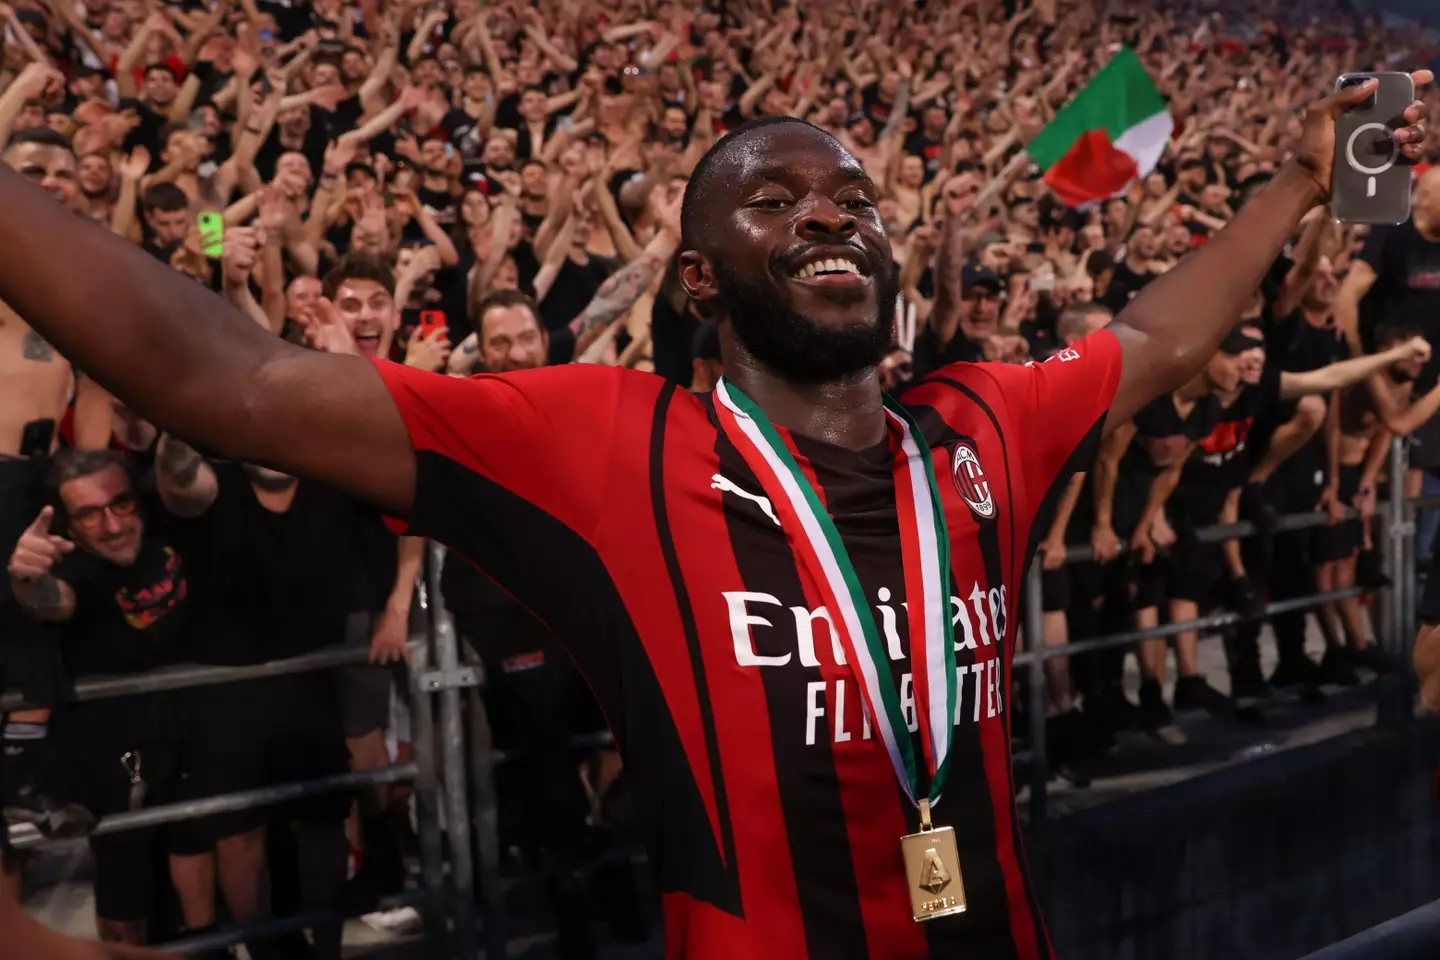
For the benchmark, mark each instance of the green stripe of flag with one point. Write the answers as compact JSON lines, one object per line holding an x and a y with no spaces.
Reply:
{"x":1120,"y":96}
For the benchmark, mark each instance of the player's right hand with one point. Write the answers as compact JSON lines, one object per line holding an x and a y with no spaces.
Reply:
{"x":38,"y":550}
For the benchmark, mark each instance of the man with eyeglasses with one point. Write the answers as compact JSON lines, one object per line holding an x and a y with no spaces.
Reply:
{"x":121,"y":590}
{"x":36,"y":384}
{"x":959,"y":336}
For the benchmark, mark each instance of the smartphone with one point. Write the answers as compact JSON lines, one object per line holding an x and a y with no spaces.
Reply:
{"x":1042,"y":282}
{"x":1372,"y":178}
{"x":212,"y":232}
{"x":37,"y":438}
{"x":430,"y":321}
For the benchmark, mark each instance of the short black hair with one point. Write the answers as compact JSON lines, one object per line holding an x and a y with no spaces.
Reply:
{"x":44,"y":136}
{"x":164,"y":197}
{"x":1389,"y":334}
{"x":702,"y":176}
{"x":358,"y":265}
{"x":1099,"y":262}
{"x":500,"y":299}
{"x":162,"y":67}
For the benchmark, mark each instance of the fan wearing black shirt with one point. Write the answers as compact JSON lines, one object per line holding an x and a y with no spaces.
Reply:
{"x":1137,"y":471}
{"x":1397,"y":276}
{"x":1133,"y":273}
{"x":127,"y":602}
{"x":954,"y":336}
{"x":1068,"y":734}
{"x":285,"y":568}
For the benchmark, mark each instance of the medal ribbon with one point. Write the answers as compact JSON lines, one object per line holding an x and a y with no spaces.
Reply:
{"x":925,"y":552}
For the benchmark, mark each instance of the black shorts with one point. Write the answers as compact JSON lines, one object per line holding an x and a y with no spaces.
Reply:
{"x":128,"y":866}
{"x":1195,"y":571}
{"x":92,"y":740}
{"x":255,"y":734}
{"x":363,"y":690}
{"x":1055,"y":590}
{"x":1343,"y":540}
{"x":1120,"y":583}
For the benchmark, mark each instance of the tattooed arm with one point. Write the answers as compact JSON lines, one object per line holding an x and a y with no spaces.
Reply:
{"x":186,"y":483}
{"x":619,"y":293}
{"x":47,"y":599}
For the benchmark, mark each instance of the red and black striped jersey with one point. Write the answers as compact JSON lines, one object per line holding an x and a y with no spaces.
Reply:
{"x":612,"y":506}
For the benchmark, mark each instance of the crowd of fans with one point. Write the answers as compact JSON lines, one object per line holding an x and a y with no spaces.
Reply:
{"x":472,"y":187}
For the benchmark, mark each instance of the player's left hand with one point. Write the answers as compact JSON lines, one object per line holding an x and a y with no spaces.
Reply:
{"x":1316,"y":153}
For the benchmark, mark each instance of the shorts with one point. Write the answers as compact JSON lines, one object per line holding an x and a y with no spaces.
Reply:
{"x":1055,"y":590}
{"x":363,"y":689}
{"x":1120,"y":583}
{"x":91,"y":739}
{"x":1195,"y":571}
{"x":126,"y":869}
{"x":1343,"y":540}
{"x":254,"y":734}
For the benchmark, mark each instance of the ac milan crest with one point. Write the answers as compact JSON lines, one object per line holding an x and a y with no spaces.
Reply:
{"x":971,"y":482}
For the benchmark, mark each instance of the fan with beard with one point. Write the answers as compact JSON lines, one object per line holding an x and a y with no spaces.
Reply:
{"x":791,"y":344}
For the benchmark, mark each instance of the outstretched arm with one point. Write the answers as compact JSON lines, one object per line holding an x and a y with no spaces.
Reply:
{"x":1173,"y":327}
{"x":191,"y":364}
{"x":1342,"y":374}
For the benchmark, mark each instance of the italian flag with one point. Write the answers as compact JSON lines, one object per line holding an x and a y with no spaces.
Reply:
{"x":1112,"y":132}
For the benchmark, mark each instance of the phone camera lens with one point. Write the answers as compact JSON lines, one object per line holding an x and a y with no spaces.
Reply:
{"x":1369,"y":102}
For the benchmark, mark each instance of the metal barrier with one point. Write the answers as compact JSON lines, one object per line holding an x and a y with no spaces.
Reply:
{"x":1411,"y":936}
{"x":1394,"y":621}
{"x":433,"y":899}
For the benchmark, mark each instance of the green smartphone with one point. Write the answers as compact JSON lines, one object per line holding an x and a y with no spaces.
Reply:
{"x":212,"y":232}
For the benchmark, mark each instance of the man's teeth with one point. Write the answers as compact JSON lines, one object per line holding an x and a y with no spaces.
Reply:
{"x":826,"y":266}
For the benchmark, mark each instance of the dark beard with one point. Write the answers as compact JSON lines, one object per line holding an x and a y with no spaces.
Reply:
{"x":1401,"y":376}
{"x":790,"y":344}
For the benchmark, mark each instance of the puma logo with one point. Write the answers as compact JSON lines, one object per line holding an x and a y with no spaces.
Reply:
{"x":723,"y":483}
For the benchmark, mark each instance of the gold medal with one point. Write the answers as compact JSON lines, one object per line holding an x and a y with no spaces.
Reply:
{"x":932,"y":870}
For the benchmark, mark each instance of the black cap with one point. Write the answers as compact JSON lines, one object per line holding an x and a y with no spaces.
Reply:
{"x":979,"y":275}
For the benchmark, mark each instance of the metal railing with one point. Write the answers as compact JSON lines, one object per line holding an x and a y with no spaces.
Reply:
{"x":1394,"y":626}
{"x":432,"y":899}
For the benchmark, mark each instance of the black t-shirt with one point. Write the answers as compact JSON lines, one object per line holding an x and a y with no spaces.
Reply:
{"x":1124,"y":285}
{"x":134,"y":618}
{"x":930,"y":355}
{"x":1224,"y":457}
{"x":922,"y":146}
{"x":277,"y":584}
{"x":312,"y":147}
{"x":1407,"y":284}
{"x":1158,"y":424}
{"x":147,"y":134}
{"x":574,"y":287}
